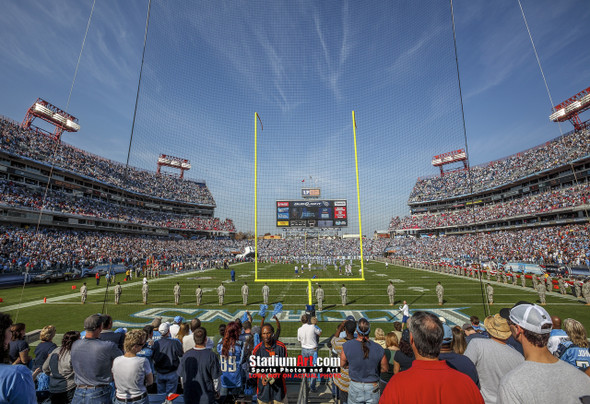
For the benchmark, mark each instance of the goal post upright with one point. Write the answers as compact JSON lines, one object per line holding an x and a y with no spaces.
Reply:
{"x":308,"y":281}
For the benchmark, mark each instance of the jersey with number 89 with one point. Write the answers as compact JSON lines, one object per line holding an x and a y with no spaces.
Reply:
{"x":231,"y":371}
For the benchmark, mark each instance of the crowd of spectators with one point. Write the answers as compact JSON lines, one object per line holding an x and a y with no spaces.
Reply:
{"x":518,"y":355}
{"x":567,"y":245}
{"x":36,"y":146}
{"x":555,"y":153}
{"x":528,"y":205}
{"x":22,"y":249}
{"x":18,"y":195}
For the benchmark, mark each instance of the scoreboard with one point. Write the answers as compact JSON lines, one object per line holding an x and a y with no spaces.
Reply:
{"x":326,"y":213}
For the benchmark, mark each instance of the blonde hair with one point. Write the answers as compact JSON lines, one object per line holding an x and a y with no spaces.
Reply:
{"x":379,"y":334}
{"x":183,"y":331}
{"x":47,"y":333}
{"x":134,"y":337}
{"x":576,"y":332}
{"x":391,"y":339}
{"x":314,"y":320}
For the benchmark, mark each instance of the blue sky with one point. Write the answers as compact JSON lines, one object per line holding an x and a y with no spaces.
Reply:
{"x":303,"y":66}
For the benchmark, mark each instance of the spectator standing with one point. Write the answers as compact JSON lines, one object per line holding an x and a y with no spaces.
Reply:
{"x":556,"y":336}
{"x":93,"y":382}
{"x":404,"y":357}
{"x":19,"y":348}
{"x":16,"y":382}
{"x":586,"y":291}
{"x":167,"y":354}
{"x":455,"y":360}
{"x":307,"y":336}
{"x":97,"y":276}
{"x":198,"y":369}
{"x":542,"y":378}
{"x":230,"y":356}
{"x":58,"y":366}
{"x":365,"y":360}
{"x":107,"y":334}
{"x":175,"y":326}
{"x":342,"y":382}
{"x":270,"y":389}
{"x":392,"y":345}
{"x":430,"y":380}
{"x":132,"y":373}
{"x":574,"y":349}
{"x":492,"y":357}
{"x":46,"y":346}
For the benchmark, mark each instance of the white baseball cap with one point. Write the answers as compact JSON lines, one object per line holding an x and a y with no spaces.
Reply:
{"x":531,"y":318}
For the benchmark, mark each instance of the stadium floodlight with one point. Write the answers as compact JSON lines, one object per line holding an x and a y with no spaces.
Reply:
{"x":173,"y":162}
{"x":571,"y":108}
{"x":53,"y":115}
{"x":454,"y":156}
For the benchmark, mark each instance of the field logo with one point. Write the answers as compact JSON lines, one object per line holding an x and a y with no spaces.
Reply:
{"x":453,"y":316}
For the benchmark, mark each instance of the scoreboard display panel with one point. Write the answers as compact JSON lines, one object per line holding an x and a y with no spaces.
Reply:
{"x":326,"y":213}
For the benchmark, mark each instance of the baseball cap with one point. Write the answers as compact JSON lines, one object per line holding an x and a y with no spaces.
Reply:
{"x":92,"y":322}
{"x":532,"y":318}
{"x":164,"y":328}
{"x":505,"y":312}
{"x":178,"y":319}
{"x":350,"y":318}
{"x":448,"y":334}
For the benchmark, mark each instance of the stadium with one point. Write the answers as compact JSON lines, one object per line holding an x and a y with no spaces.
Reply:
{"x":195,"y":188}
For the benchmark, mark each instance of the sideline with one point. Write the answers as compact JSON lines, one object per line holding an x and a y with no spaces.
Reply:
{"x":100,"y":291}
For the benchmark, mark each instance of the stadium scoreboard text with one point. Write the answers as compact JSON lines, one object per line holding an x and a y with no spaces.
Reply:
{"x":326,"y":213}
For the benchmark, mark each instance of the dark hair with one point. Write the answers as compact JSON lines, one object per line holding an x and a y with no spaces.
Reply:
{"x":406,"y":348}
{"x":5,"y":323}
{"x":67,"y":341}
{"x":427,"y":331}
{"x":397,"y":326}
{"x":538,"y":340}
{"x":16,"y":331}
{"x":304,"y":318}
{"x":363,"y":329}
{"x":246,"y":325}
{"x":474,"y":320}
{"x":222,"y":329}
{"x":107,"y":321}
{"x":149,"y":330}
{"x":232,"y":334}
{"x":200,"y":336}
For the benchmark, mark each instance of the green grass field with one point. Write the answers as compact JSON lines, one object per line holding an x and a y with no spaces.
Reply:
{"x":365,"y":298}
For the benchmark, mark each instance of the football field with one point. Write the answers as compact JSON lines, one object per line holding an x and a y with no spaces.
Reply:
{"x":462,"y":298}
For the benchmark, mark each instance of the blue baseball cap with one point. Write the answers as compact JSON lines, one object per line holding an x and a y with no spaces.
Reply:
{"x":448,"y":335}
{"x":178,"y":319}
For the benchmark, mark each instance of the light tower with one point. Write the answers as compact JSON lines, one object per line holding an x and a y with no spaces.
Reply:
{"x":571,"y":108}
{"x":455,"y":156}
{"x":174,"y":162}
{"x":52,"y":114}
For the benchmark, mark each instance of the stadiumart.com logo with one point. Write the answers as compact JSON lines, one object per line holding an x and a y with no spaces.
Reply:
{"x":293,"y":367}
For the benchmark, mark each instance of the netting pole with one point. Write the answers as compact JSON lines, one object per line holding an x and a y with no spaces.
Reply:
{"x":358,"y":195}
